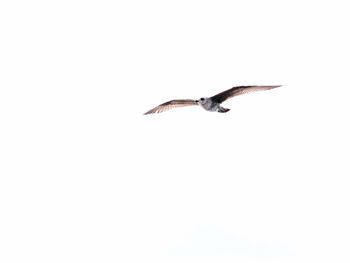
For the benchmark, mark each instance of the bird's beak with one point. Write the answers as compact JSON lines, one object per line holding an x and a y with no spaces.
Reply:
{"x":197,"y":101}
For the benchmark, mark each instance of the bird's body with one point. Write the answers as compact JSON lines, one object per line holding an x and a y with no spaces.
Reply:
{"x":209,"y":105}
{"x":212,"y":103}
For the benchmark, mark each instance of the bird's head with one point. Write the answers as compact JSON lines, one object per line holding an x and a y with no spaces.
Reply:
{"x":202,"y":101}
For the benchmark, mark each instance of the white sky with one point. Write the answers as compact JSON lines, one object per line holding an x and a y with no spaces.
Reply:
{"x":85,"y":177}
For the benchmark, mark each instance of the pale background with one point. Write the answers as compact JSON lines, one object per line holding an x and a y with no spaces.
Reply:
{"x":85,"y":177}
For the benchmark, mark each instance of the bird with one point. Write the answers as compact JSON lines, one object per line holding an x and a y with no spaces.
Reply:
{"x":213,"y":103}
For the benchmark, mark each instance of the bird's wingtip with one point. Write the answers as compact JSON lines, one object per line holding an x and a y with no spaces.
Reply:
{"x":274,"y":86}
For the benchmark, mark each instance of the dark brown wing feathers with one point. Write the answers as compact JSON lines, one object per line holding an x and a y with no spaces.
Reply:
{"x":235,"y":91}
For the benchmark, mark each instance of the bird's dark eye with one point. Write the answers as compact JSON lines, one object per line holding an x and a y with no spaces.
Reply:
{"x":201,"y":99}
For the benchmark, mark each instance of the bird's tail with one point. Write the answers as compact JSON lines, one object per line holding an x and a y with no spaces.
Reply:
{"x":223,"y":110}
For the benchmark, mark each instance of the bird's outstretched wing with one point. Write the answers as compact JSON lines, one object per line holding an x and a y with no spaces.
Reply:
{"x":171,"y":105}
{"x":235,"y":91}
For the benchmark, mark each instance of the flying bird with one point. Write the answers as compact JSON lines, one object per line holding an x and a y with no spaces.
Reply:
{"x":209,"y":103}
